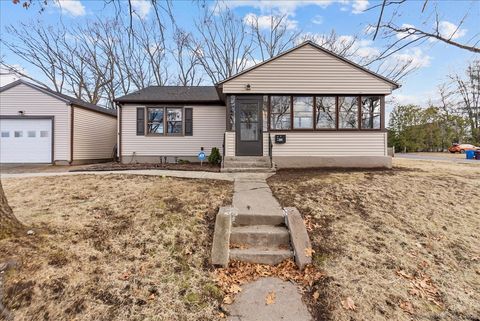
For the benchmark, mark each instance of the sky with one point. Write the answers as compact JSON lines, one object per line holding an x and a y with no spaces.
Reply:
{"x":347,"y":17}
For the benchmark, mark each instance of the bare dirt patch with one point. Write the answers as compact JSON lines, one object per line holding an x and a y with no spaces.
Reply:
{"x":115,"y":247}
{"x":205,"y":167}
{"x":400,"y":244}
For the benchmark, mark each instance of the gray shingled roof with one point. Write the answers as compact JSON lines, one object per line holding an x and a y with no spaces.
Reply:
{"x":173,"y":94}
{"x":68,"y":99}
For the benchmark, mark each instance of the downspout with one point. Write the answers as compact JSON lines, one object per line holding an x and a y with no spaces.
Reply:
{"x":71,"y":132}
{"x":119,"y":133}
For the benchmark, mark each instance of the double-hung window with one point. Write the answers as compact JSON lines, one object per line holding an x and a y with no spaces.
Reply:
{"x":165,"y":121}
{"x":155,"y":121}
{"x":174,"y":121}
{"x":370,"y":112}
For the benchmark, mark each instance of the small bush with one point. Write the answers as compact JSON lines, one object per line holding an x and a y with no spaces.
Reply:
{"x":214,"y":158}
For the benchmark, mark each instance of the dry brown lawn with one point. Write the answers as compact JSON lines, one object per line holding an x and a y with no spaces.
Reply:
{"x":401,"y":244}
{"x":113,"y":247}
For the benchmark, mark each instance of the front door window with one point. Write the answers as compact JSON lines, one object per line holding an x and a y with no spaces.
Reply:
{"x":249,"y":123}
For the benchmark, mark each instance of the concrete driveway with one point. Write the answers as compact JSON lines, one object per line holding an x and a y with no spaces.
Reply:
{"x":34,"y":168}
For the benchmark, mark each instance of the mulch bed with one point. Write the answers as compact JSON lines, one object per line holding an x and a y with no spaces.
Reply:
{"x":170,"y":166}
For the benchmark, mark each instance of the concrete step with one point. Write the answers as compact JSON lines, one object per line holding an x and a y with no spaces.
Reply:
{"x":248,"y":170}
{"x":265,"y":159}
{"x":243,"y":219}
{"x":246,"y":164}
{"x":260,"y":235}
{"x":260,"y":255}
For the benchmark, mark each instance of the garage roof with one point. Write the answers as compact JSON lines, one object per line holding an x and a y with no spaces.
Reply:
{"x":174,"y":94}
{"x":67,"y":99}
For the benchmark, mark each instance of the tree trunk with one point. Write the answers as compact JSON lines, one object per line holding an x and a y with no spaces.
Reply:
{"x":9,"y":225}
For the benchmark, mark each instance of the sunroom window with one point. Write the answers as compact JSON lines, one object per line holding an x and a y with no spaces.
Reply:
{"x":326,"y":112}
{"x":348,"y":112}
{"x":280,"y":113}
{"x":302,"y":112}
{"x":371,"y":112}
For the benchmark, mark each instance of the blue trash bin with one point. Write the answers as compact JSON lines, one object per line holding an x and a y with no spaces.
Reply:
{"x":470,"y":154}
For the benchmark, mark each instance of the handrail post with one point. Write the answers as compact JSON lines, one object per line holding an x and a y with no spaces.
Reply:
{"x":223,"y":148}
{"x":270,"y":149}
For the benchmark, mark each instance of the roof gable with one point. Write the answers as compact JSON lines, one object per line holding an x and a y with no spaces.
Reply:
{"x":60,"y":96}
{"x":308,"y":58}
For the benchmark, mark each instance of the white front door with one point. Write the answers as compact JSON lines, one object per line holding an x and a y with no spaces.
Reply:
{"x":25,"y":140}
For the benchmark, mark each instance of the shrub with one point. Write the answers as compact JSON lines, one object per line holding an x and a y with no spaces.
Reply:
{"x":214,"y":158}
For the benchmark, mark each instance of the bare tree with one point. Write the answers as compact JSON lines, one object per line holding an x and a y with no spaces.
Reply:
{"x":350,"y":47}
{"x":97,"y":61}
{"x":274,"y":38}
{"x":406,"y":35}
{"x":467,"y":91}
{"x":187,"y":62}
{"x":223,"y":46}
{"x":9,"y":224}
{"x":39,"y":47}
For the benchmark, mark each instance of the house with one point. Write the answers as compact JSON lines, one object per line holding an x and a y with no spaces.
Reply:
{"x":306,"y":107}
{"x":39,"y":125}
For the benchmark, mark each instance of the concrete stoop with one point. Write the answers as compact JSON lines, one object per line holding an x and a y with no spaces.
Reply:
{"x":247,"y":164}
{"x":257,"y":229}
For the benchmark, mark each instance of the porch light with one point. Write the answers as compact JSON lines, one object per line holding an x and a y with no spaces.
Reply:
{"x":247,"y":87}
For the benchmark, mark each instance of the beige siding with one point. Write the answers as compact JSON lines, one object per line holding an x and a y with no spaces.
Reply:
{"x":308,"y":70}
{"x":265,"y":143}
{"x":208,"y":131}
{"x":36,"y":103}
{"x":230,"y":144}
{"x":331,"y":144}
{"x":94,"y":135}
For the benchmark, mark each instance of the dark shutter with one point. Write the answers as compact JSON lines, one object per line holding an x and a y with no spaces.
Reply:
{"x":188,"y":121}
{"x":140,"y":121}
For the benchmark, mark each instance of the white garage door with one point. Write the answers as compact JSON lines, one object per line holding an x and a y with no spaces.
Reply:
{"x":25,"y":140}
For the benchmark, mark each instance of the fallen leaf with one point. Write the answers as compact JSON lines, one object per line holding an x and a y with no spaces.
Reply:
{"x":227,"y":300}
{"x":407,"y":307}
{"x":348,"y":304}
{"x":316,"y":295}
{"x":309,"y":252}
{"x":270,"y":298}
{"x":404,"y":274}
{"x":124,"y":276}
{"x":152,"y":297}
{"x":234,"y":288}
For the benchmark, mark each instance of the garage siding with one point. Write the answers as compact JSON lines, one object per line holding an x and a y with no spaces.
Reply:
{"x":307,"y":70}
{"x":208,"y":131}
{"x":94,"y":135}
{"x":36,"y":103}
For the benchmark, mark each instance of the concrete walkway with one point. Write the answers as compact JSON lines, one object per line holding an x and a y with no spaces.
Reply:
{"x":269,"y":299}
{"x":252,"y":195}
{"x":256,"y":204}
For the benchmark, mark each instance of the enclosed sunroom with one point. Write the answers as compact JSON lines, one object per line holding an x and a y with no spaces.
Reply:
{"x":308,"y":107}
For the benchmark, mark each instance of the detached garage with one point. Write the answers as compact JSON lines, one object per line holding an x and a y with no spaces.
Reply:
{"x":38,"y":125}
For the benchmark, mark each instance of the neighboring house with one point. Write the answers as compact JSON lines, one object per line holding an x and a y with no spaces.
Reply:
{"x":307,"y":107}
{"x":39,"y":125}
